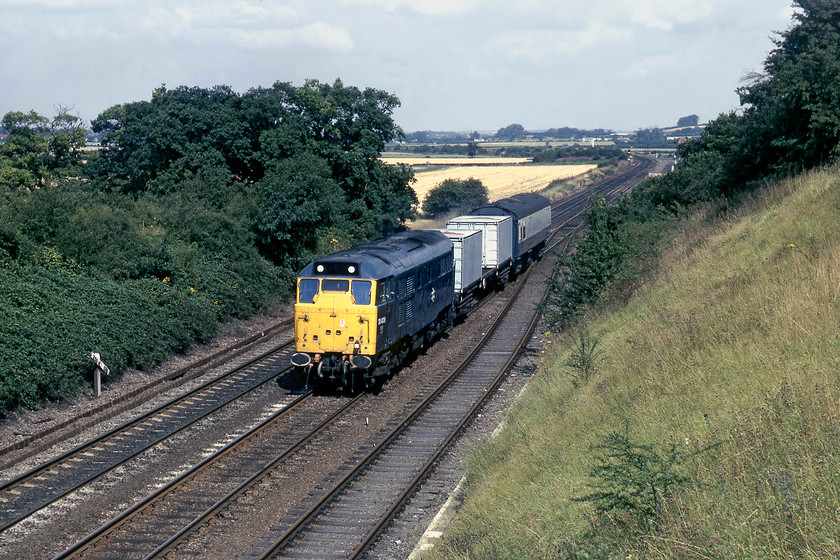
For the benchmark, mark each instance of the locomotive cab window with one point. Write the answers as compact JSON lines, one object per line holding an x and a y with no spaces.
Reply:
{"x":383,"y":290}
{"x":424,"y":275}
{"x":361,"y":292}
{"x":331,"y":285}
{"x":308,"y":288}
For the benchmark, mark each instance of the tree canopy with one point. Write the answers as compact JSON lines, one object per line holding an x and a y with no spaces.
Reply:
{"x":455,"y":194}
{"x":39,"y":150}
{"x":202,"y":206}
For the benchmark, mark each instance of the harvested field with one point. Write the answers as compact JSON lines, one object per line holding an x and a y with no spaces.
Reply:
{"x":453,"y":160}
{"x":501,"y":180}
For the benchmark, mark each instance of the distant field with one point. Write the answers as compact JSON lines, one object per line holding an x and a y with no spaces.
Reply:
{"x":501,"y":180}
{"x":452,"y":160}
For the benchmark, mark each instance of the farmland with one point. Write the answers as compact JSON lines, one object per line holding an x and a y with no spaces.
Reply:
{"x":453,"y":160}
{"x":501,"y":180}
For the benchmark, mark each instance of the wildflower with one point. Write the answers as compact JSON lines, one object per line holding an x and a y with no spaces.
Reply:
{"x":167,"y":279}
{"x":192,"y":290}
{"x":792,"y":246}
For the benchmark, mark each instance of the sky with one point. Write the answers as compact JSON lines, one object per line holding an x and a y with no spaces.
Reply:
{"x":455,"y":65}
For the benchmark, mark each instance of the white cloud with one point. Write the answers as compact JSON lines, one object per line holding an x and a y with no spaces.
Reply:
{"x":651,"y":64}
{"x":426,"y":7}
{"x":665,"y":15}
{"x":67,"y":4}
{"x":540,"y":44}
{"x":316,"y":35}
{"x":243,"y":24}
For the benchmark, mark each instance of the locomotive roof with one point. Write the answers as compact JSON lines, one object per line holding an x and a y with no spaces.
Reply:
{"x":519,"y":206}
{"x":389,"y":256}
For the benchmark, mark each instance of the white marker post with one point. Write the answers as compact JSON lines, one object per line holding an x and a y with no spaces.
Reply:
{"x":100,"y":369}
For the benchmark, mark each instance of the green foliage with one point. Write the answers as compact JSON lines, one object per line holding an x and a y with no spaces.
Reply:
{"x":454,"y":194}
{"x":690,"y":120}
{"x":651,"y":138}
{"x":511,"y":132}
{"x":795,"y":103}
{"x":601,"y":259}
{"x":55,"y":315}
{"x":298,"y":203}
{"x":634,"y":478}
{"x":584,"y":357}
{"x":601,"y":154}
{"x":202,"y":207}
{"x":38,"y":150}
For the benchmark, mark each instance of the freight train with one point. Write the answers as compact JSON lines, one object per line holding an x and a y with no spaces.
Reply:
{"x":360,"y":313}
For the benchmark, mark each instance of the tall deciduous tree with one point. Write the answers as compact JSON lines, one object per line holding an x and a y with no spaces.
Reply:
{"x":795,"y":102}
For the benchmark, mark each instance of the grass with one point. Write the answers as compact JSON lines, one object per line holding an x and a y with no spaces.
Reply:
{"x":729,"y":353}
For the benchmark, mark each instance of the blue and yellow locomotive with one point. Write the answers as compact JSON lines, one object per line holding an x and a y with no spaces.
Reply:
{"x":360,"y":312}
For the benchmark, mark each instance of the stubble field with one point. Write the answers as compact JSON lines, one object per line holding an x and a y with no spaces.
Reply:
{"x":501,"y":180}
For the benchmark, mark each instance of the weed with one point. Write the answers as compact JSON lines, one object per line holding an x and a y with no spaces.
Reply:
{"x":584,"y":358}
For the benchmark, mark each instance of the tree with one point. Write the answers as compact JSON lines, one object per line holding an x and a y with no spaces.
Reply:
{"x":298,"y":202}
{"x":690,"y":120}
{"x":67,"y":136}
{"x":794,"y":105}
{"x":160,"y":146}
{"x":511,"y":132}
{"x":39,"y":150}
{"x":452,"y":194}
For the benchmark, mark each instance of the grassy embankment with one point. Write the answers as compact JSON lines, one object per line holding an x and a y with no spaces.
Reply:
{"x":730,"y":352}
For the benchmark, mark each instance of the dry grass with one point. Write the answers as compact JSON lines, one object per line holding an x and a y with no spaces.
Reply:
{"x":501,"y":180}
{"x":732,"y":344}
{"x":453,"y":160}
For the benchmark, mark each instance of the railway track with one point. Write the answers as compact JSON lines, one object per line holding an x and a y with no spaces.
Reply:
{"x":567,"y":214}
{"x":167,"y":516}
{"x":346,"y":521}
{"x":34,"y":490}
{"x":163,"y":521}
{"x":350,"y":515}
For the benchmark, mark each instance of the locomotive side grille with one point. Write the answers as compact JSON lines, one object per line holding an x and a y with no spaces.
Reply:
{"x":406,"y":311}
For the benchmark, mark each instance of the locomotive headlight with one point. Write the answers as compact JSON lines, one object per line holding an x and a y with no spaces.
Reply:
{"x":351,"y":269}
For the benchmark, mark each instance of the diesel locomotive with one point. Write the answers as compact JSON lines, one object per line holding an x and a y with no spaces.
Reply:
{"x":360,"y":312}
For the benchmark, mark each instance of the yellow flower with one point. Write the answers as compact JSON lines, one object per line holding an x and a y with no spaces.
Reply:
{"x":792,"y":246}
{"x":167,"y":279}
{"x":192,"y":290}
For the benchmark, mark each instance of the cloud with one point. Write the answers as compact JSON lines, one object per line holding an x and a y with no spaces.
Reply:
{"x":316,"y":35}
{"x":425,"y":7}
{"x":665,"y":15}
{"x":245,"y":25}
{"x":656,"y":63}
{"x":538,"y":45}
{"x":66,"y":4}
